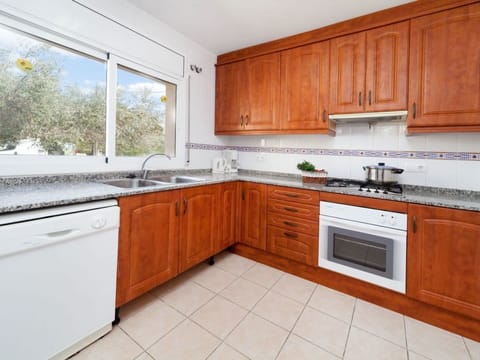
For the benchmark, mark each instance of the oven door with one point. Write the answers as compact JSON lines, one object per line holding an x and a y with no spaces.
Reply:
{"x":367,"y":252}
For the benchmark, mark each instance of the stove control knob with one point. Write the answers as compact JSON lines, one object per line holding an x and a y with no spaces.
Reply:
{"x":383,"y":219}
{"x":392,"y":220}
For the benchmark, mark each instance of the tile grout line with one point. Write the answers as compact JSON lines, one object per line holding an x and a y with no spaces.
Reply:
{"x":406,"y":339}
{"x":468,"y":349}
{"x":349,"y":328}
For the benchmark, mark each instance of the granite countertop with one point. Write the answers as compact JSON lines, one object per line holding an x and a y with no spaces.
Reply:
{"x":24,"y":193}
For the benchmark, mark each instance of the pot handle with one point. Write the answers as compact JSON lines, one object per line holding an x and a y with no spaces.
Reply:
{"x":364,"y":167}
{"x":397,"y":171}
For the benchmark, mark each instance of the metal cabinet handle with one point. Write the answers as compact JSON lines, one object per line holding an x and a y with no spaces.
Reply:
{"x":243,"y":194}
{"x":291,"y":209}
{"x":292,"y":195}
{"x":369,"y":97}
{"x":185,"y":205}
{"x":291,"y":235}
{"x":241,"y":120}
{"x":246,"y":120}
{"x":177,"y":208}
{"x":414,"y":224}
{"x":288,"y":223}
{"x":414,"y":110}
{"x":360,"y":98}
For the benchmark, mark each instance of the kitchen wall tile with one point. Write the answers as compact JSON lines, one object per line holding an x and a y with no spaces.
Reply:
{"x":439,"y":174}
{"x":325,"y":331}
{"x":279,"y":309}
{"x":469,"y":142}
{"x":263,"y":275}
{"x":214,"y":278}
{"x":473,"y":348}
{"x":441,"y":142}
{"x":380,"y":321}
{"x":187,"y":341}
{"x":468,"y":175}
{"x":219,"y":316}
{"x":295,"y":287}
{"x":365,"y":346}
{"x":244,"y":293}
{"x":361,"y":137}
{"x":433,"y":342}
{"x":116,"y":345}
{"x":235,"y":264}
{"x":332,"y":302}
{"x":225,"y":352}
{"x":410,"y":142}
{"x":263,"y":343}
{"x":151,"y":323}
{"x":385,"y":136}
{"x":297,"y":348}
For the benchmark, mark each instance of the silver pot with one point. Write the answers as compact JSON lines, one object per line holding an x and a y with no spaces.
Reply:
{"x":382,"y":174}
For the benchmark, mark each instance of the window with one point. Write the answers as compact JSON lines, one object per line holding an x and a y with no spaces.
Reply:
{"x":145,"y":114}
{"x":52,"y":99}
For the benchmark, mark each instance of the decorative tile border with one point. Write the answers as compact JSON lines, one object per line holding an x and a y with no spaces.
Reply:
{"x":429,"y":155}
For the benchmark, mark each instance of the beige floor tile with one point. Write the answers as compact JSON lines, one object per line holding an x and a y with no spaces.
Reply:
{"x":295,"y":287}
{"x":415,"y":356}
{"x":257,"y":338}
{"x":116,"y":345}
{"x":297,"y":348}
{"x":333,"y":302}
{"x":323,"y":330}
{"x":365,"y":346}
{"x":244,"y":293}
{"x":473,"y":348}
{"x":263,"y":275}
{"x":219,"y":316}
{"x":380,"y":321}
{"x":134,"y":306}
{"x":235,"y":264}
{"x":433,"y":342}
{"x":214,"y":278}
{"x":187,"y":297}
{"x":225,"y":352}
{"x":188,"y":341}
{"x":279,"y":309}
{"x":151,"y":323}
{"x":144,"y":356}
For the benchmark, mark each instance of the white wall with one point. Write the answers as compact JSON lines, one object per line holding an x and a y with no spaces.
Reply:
{"x":107,"y":29}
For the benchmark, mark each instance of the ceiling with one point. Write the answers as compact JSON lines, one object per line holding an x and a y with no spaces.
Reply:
{"x":225,"y":25}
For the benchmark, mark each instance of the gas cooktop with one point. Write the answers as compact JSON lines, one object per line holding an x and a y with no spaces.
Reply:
{"x":366,"y":186}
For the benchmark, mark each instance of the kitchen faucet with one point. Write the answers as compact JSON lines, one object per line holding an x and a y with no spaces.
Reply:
{"x":145,"y":171}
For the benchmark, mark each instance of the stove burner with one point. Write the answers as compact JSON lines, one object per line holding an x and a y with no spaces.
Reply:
{"x":338,"y":182}
{"x":366,"y":186}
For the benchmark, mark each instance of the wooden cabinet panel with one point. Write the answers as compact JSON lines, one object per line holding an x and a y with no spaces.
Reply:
{"x":444,"y":258}
{"x":292,"y":194}
{"x":293,"y":245}
{"x":347,"y":73}
{"x":147,"y":254}
{"x":293,"y":224}
{"x":227,"y":216}
{"x":199,"y":224}
{"x":445,"y":71}
{"x":253,"y":214}
{"x":293,"y":209}
{"x":387,"y":68}
{"x":304,"y":87}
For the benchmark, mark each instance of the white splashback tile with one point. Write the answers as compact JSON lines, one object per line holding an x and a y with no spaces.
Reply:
{"x":440,"y":173}
{"x":440,"y":142}
{"x":385,"y":136}
{"x":468,"y":175}
{"x":468,"y":142}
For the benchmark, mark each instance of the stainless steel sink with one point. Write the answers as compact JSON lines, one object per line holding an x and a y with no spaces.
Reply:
{"x":134,"y":183}
{"x":175,"y":179}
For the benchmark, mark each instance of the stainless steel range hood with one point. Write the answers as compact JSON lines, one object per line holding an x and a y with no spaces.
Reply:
{"x":369,"y":117}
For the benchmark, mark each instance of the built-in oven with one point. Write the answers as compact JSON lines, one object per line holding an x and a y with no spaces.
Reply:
{"x":363,"y":243}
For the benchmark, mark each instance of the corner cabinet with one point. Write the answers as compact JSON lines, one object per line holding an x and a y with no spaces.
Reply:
{"x":247,"y":95}
{"x":227,"y":216}
{"x":444,"y":258}
{"x":148,"y":246}
{"x":369,"y":70}
{"x":445,"y":71}
{"x":253,"y":211}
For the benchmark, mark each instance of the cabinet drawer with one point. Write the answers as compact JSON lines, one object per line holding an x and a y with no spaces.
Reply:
{"x":303,"y":211}
{"x":293,"y":245}
{"x":290,"y":194}
{"x":293,"y":224}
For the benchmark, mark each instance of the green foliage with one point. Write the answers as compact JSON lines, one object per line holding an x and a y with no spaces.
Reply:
{"x":306,"y":166}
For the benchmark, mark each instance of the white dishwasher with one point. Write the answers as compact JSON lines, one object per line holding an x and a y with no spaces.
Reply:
{"x":57,"y":279}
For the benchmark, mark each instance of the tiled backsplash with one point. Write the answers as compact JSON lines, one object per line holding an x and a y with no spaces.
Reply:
{"x":441,"y":160}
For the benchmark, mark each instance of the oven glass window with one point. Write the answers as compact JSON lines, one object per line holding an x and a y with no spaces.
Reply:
{"x":366,"y":253}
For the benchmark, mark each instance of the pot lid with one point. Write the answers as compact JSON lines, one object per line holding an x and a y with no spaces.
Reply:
{"x":382,"y":166}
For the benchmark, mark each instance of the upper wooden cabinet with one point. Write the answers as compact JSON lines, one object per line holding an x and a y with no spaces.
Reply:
{"x":247,"y":95}
{"x":304,"y":88}
{"x":444,"y":258}
{"x":368,"y":70}
{"x":445,"y":71}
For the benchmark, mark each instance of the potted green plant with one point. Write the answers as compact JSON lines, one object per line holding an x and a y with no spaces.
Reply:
{"x":310,"y":174}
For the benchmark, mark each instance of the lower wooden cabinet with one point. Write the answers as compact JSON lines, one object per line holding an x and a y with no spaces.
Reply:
{"x":229,"y":225}
{"x":443,"y":266}
{"x":253,"y":211}
{"x":148,"y":246}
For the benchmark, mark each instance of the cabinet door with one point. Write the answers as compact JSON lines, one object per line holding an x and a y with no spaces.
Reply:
{"x":230,"y":96}
{"x":304,"y":87}
{"x":444,"y":258}
{"x":347,"y":73}
{"x":227,"y":217}
{"x":263,"y":92}
{"x":387,"y":68}
{"x":199,"y":224}
{"x":445,"y":71}
{"x":148,"y":252}
{"x":253,"y":212}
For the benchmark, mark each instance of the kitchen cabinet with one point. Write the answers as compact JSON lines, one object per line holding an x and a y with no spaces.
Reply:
{"x":444,"y":258}
{"x":253,"y":214}
{"x":445,"y":71}
{"x":304,"y":88}
{"x":247,"y":95}
{"x":369,"y":70}
{"x":293,"y":224}
{"x":198,"y":224}
{"x":148,"y":246}
{"x":227,"y":216}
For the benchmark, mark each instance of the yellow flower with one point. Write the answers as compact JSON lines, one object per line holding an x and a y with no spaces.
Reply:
{"x":24,"y":64}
